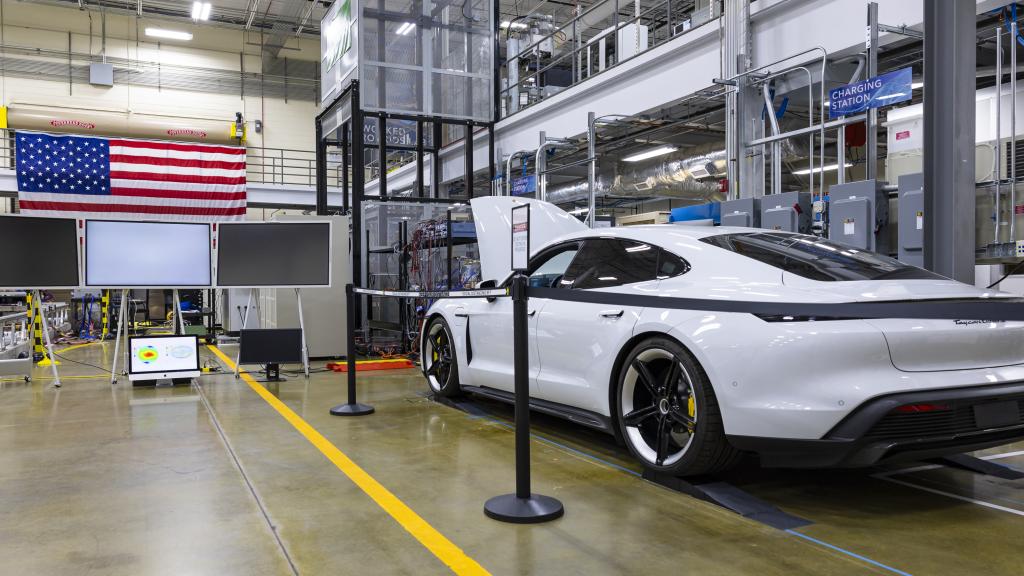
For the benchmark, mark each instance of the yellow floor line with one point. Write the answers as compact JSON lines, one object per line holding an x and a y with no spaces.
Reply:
{"x":434,"y":541}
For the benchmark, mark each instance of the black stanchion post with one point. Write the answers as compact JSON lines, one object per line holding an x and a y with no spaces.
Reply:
{"x":351,"y":408}
{"x":523,"y":507}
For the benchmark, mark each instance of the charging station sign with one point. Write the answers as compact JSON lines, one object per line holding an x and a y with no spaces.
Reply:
{"x":883,"y":90}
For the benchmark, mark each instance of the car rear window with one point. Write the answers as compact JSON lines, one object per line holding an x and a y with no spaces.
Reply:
{"x":816,"y":258}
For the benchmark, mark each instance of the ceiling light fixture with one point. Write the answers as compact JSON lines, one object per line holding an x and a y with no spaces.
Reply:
{"x":516,"y":26}
{"x":169,"y":34}
{"x":650,"y":154}
{"x":917,"y":85}
{"x":201,"y":11}
{"x":405,"y":28}
{"x":828,"y":168}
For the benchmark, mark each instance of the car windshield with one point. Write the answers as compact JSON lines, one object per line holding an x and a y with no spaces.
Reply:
{"x":816,"y":258}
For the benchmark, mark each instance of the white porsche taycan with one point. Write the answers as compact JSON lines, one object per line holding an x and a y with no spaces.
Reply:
{"x":690,"y":391}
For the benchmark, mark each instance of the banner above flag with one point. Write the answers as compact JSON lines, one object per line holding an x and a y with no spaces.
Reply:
{"x":883,"y":90}
{"x":92,"y":177}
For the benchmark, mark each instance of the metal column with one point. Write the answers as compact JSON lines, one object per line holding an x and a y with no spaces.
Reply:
{"x":742,"y":105}
{"x":321,"y":174}
{"x":949,"y":66}
{"x":871,"y":124}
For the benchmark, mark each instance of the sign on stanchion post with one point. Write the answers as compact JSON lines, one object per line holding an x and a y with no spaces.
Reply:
{"x":522,"y":507}
{"x":351,"y":408}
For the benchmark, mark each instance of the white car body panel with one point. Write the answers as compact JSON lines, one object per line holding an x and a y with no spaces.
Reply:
{"x":785,"y":380}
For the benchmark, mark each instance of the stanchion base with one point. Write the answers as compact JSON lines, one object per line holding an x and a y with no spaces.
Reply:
{"x":356,"y":409}
{"x":532,"y":510}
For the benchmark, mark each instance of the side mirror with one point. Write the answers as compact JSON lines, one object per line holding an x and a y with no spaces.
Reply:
{"x":488,"y":285}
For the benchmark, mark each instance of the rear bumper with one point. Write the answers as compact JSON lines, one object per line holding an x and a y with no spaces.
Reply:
{"x":873,"y":433}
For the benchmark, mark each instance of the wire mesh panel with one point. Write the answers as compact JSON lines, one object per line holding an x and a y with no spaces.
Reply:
{"x":425,"y":57}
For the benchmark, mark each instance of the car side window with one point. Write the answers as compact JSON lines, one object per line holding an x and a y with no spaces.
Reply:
{"x":547,"y":271}
{"x":607,"y":262}
{"x":670,"y":265}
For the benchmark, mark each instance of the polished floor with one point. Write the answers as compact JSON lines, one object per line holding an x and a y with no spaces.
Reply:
{"x":215,"y":480}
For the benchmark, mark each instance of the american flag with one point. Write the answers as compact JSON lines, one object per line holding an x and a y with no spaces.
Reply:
{"x":90,"y":177}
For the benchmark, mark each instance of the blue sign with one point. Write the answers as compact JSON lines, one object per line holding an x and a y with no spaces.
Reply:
{"x":889,"y":88}
{"x":524,"y":185}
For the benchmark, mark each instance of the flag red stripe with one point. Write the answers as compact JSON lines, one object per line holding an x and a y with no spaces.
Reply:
{"x":188,"y":178}
{"x":132,"y":208}
{"x":176,"y":194}
{"x":154,"y":161}
{"x":178,"y":147}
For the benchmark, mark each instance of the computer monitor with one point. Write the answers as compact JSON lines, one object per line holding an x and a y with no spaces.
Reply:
{"x":162,"y":357}
{"x":125,"y":254}
{"x":274,"y":254}
{"x":270,"y":347}
{"x":38,"y":252}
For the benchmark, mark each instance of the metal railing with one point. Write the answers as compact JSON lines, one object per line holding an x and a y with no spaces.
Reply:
{"x":592,"y":43}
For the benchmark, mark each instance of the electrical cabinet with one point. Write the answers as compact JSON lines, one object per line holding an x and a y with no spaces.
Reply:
{"x":852,"y":214}
{"x":910,"y":219}
{"x":788,"y":212}
{"x":744,"y":212}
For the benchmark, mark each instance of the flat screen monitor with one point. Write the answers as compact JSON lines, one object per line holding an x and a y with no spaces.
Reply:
{"x":160,"y":357}
{"x":38,"y":252}
{"x":121,"y":254}
{"x":270,"y":346}
{"x":274,"y":254}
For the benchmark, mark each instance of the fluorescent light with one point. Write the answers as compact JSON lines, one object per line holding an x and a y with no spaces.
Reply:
{"x":405,"y":28}
{"x":828,"y":168}
{"x":891,"y":96}
{"x":917,"y":85}
{"x":169,"y":34}
{"x":201,"y":10}
{"x":516,"y":26}
{"x":650,"y":154}
{"x":579,"y":211}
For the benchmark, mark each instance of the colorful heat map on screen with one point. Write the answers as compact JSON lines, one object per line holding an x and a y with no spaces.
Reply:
{"x":148,"y":354}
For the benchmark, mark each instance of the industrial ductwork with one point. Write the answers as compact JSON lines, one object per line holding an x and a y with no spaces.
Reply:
{"x":689,"y":175}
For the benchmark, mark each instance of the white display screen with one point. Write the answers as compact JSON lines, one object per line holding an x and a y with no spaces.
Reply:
{"x":146,"y":254}
{"x":163,"y":354}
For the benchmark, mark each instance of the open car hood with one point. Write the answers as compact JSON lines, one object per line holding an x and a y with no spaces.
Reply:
{"x":493,"y":218}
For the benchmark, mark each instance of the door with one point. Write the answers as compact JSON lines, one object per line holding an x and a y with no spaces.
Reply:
{"x":577,"y":342}
{"x":490,"y":324}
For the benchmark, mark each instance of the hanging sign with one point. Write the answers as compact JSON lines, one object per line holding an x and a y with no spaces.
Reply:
{"x":883,"y":90}
{"x":524,"y":185}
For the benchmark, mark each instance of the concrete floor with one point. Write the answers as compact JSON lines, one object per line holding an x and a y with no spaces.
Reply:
{"x":96,"y":479}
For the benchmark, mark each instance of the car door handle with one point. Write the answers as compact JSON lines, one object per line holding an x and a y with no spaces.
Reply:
{"x":611,"y":313}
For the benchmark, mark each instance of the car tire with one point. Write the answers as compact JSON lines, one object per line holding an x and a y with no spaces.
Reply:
{"x":438,"y":359}
{"x":670,"y":421}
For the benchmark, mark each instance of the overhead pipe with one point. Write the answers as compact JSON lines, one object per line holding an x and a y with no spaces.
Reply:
{"x":508,"y":170}
{"x":540,"y":162}
{"x":998,"y":200}
{"x":1013,"y":132}
{"x":671,"y":177}
{"x":776,"y":145}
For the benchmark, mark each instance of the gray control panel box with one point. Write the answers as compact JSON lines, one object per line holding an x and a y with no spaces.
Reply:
{"x":910,"y":219}
{"x":851,"y":214}
{"x":788,"y":212}
{"x":745,"y":212}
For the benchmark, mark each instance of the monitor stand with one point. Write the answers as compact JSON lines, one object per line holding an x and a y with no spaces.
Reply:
{"x":273,"y":372}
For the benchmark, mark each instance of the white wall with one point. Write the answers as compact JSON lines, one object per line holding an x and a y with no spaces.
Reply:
{"x":27,"y":25}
